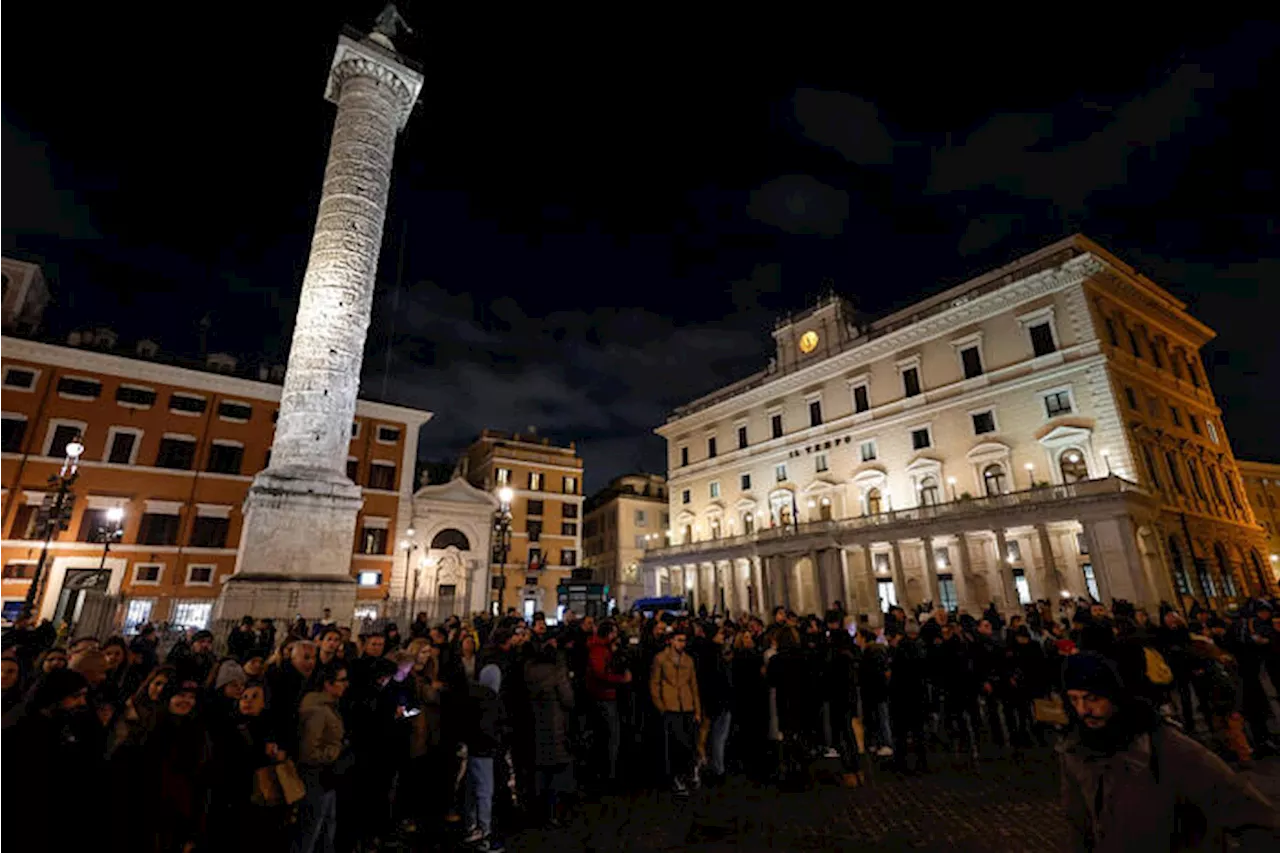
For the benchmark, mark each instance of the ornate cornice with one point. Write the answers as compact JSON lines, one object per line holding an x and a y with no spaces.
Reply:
{"x":359,"y":66}
{"x":363,"y":59}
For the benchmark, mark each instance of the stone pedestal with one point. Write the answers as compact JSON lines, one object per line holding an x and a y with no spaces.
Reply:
{"x":300,"y":513}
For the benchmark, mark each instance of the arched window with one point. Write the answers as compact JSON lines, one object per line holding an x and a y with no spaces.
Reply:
{"x":929,"y":491}
{"x":1180,"y":581}
{"x":993,"y":479}
{"x":1224,"y":566}
{"x":1258,"y":576}
{"x":714,"y":526}
{"x":450,"y":536}
{"x":1205,"y":579}
{"x":688,"y":533}
{"x":1152,"y":471}
{"x":873,"y":502}
{"x":1073,"y":467}
{"x":824,"y":509}
{"x":748,"y":522}
{"x":1231,"y":490}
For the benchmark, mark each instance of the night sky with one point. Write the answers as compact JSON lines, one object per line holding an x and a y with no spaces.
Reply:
{"x":600,"y":213}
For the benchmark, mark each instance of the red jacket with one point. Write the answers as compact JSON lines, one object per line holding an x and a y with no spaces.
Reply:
{"x":601,"y":679}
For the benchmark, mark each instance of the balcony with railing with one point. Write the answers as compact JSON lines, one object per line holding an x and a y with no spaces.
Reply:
{"x":953,"y":511}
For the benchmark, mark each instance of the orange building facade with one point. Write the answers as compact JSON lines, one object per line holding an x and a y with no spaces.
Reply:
{"x":175,"y":450}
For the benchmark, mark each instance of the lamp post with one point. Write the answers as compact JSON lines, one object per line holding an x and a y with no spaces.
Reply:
{"x":112,"y":531}
{"x":502,"y":542}
{"x":408,"y":546}
{"x":55,"y":514}
{"x":1031,"y":477}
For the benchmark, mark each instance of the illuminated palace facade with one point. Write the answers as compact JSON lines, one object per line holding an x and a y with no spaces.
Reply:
{"x":1043,"y":430}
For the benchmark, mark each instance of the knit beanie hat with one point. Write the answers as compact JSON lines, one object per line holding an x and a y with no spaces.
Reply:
{"x":491,"y":677}
{"x":228,"y":672}
{"x":1093,"y":673}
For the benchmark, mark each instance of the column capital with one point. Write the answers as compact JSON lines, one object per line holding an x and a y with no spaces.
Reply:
{"x":364,"y":58}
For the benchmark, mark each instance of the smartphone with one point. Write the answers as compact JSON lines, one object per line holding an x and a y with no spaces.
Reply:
{"x":412,"y":712}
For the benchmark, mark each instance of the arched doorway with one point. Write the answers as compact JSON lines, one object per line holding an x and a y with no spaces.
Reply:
{"x":1224,"y":567}
{"x":1072,"y":465}
{"x":993,"y":479}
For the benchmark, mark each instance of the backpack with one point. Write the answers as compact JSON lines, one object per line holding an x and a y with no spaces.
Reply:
{"x":1157,"y":671}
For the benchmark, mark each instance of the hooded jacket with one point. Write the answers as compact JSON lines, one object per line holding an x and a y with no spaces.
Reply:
{"x":602,"y":681}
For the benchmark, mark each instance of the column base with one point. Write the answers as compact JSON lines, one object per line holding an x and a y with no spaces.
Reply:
{"x":284,"y":598}
{"x":295,"y":546}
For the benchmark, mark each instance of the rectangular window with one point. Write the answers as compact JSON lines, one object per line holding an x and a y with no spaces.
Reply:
{"x":19,"y":571}
{"x":568,"y":528}
{"x":1153,"y":407}
{"x":1133,"y":343}
{"x":1195,"y":423}
{"x":14,"y":430}
{"x":25,"y":524}
{"x":1175,"y":416}
{"x":533,"y":508}
{"x":1213,"y":431}
{"x":686,"y":496}
{"x":684,"y":457}
{"x":911,"y":381}
{"x":642,"y":541}
{"x":388,"y":435}
{"x":382,"y":475}
{"x":972,"y":360}
{"x":641,"y":518}
{"x":1057,"y":403}
{"x":711,"y":447}
{"x":225,"y":458}
{"x":1194,"y":372}
{"x":353,"y":468}
{"x":570,"y":511}
{"x":1132,"y":398}
{"x":138,"y":614}
{"x":535,"y":558}
{"x":815,"y":413}
{"x":79,"y":389}
{"x":1082,"y":543}
{"x":920,"y":439}
{"x":176,"y":453}
{"x":533,"y":527}
{"x":210,"y":532}
{"x":742,"y":437}
{"x":93,"y":525}
{"x":355,"y":429}
{"x":135,"y":397}
{"x":1042,"y":342}
{"x":570,"y":485}
{"x":373,"y":540}
{"x":188,"y":404}
{"x":147,"y":573}
{"x":984,"y":422}
{"x":156,"y":529}
{"x":568,"y":557}
{"x":714,"y":489}
{"x":19,"y":378}
{"x":881,"y":563}
{"x":820,"y":463}
{"x":234,"y":412}
{"x":121,"y":450}
{"x":369,"y":578}
{"x":775,"y":424}
{"x":1111,"y":331}
{"x":1014,"y":551}
{"x":868,"y":451}
{"x":63,"y":434}
{"x":199,"y":575}
{"x":535,"y":481}
{"x":1155,"y":354}
{"x":504,"y":476}
{"x":861,"y":403}
{"x":1174,"y":474}
{"x":746,"y":482}
{"x":780,"y":472}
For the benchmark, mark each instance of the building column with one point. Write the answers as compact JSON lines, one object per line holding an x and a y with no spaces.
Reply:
{"x":1147,"y":597}
{"x":963,"y":573}
{"x":844,"y":581}
{"x":1101,"y":572}
{"x":763,"y":596}
{"x":1007,"y":586}
{"x":784,"y":579}
{"x":820,"y":582}
{"x":1052,"y":573}
{"x":930,"y":570}
{"x":899,"y":577}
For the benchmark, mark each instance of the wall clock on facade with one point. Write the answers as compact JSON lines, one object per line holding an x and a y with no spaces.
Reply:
{"x":808,"y":342}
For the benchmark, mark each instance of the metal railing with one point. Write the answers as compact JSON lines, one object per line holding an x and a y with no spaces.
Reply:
{"x":1035,"y":496}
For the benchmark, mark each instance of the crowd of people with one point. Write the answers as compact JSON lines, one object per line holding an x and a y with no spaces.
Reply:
{"x":315,"y":739}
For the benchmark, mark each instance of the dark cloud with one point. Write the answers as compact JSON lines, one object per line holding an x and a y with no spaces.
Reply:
{"x":845,"y":123}
{"x":800,"y":204}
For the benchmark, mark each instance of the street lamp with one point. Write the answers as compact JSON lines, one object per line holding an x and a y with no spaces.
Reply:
{"x":408,"y":546}
{"x":1031,"y":480}
{"x":951,"y":481}
{"x":55,"y":514}
{"x":112,"y":531}
{"x":502,"y":541}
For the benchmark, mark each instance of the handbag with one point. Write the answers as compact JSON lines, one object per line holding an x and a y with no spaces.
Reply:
{"x":1049,"y":711}
{"x":266,"y":787}
{"x":292,"y":788}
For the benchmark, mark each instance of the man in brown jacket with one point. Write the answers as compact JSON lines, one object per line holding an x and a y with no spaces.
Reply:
{"x":673,"y":686}
{"x":321,"y":742}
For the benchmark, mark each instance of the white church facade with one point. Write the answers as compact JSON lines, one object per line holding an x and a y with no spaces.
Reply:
{"x":1043,"y":430}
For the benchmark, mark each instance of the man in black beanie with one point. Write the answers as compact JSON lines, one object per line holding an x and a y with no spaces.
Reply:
{"x":1130,"y":781}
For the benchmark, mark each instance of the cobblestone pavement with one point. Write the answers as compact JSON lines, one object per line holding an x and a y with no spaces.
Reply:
{"x":1002,"y":805}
